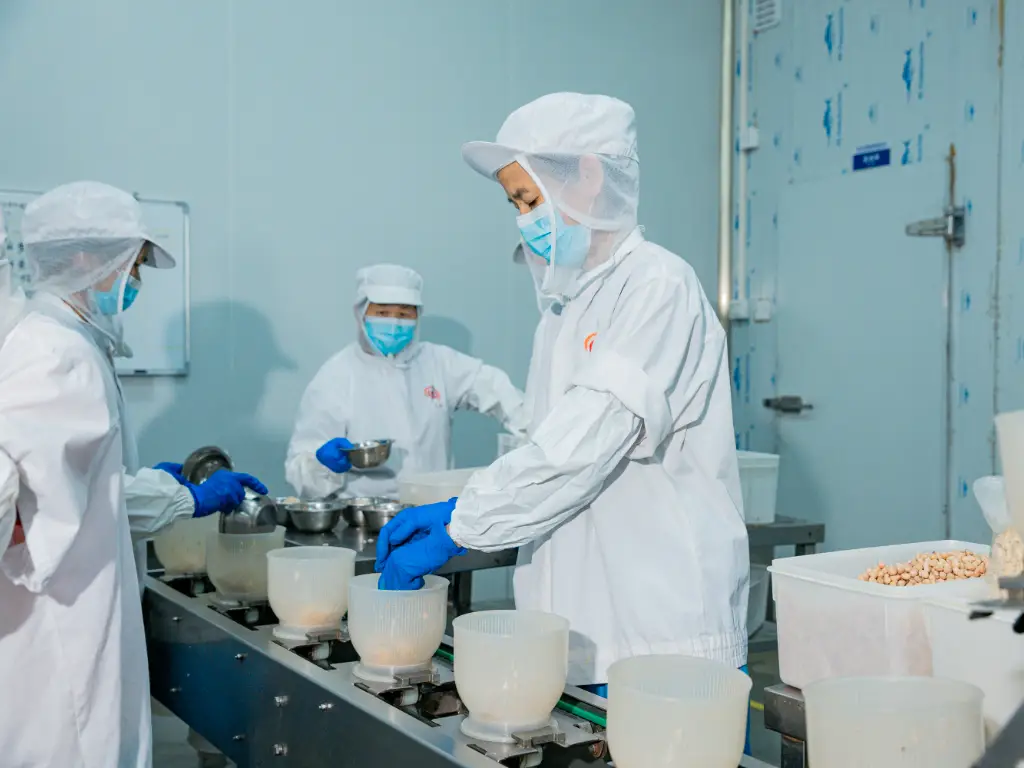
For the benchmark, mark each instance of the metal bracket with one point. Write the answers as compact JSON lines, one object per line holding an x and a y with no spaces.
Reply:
{"x":951,"y":226}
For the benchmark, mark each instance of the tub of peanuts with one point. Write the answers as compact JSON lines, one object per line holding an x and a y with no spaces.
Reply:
{"x":860,"y":612}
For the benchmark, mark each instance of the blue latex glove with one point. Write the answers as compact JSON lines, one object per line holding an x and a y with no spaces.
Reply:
{"x":172,"y":469}
{"x":415,"y":543}
{"x":411,"y":524}
{"x":222,"y":492}
{"x":332,"y":455}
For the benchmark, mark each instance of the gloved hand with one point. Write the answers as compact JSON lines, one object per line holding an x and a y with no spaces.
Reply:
{"x":332,"y":455}
{"x":172,"y":469}
{"x":424,"y":553}
{"x":412,"y":524}
{"x":222,"y":492}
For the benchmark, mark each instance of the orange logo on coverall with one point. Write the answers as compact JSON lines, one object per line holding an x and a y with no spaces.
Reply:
{"x":588,"y":343}
{"x":432,"y":393}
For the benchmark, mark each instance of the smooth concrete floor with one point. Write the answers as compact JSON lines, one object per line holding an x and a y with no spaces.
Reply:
{"x":171,"y":748}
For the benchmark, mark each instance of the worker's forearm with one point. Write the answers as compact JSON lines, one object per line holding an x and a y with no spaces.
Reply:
{"x":531,"y":491}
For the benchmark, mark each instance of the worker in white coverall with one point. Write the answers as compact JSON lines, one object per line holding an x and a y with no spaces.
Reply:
{"x":625,"y":501}
{"x":85,"y":243}
{"x":388,"y":384}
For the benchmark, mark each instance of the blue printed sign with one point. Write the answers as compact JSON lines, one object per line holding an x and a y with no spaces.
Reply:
{"x":873,"y":156}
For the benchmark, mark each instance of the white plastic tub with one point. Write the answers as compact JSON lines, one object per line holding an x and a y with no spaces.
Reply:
{"x":308,"y":586}
{"x":182,"y":547}
{"x":759,"y":483}
{"x":676,"y":712}
{"x":757,"y":602}
{"x":432,"y":487}
{"x":984,"y":652}
{"x":237,"y":563}
{"x":395,"y":632}
{"x":893,"y":723}
{"x":832,"y":625}
{"x":510,"y":670}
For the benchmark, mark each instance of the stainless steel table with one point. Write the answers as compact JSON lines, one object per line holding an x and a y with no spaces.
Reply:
{"x":785,"y":531}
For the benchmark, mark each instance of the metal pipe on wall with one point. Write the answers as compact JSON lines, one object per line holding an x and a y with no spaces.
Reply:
{"x":725,"y":180}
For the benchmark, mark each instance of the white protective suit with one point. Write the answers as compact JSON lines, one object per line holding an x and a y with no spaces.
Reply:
{"x":72,"y":636}
{"x":12,"y":309}
{"x":625,"y":502}
{"x":361,"y":395}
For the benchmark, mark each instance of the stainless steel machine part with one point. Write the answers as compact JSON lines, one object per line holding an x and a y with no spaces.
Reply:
{"x":256,"y":700}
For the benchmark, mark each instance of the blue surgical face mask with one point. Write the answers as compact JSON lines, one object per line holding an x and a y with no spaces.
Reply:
{"x":572,"y":241}
{"x":106,"y":301}
{"x":390,"y":336}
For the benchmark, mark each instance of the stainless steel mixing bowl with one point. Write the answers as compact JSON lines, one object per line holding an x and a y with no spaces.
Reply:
{"x":377,"y":516}
{"x":256,"y":514}
{"x":317,"y":516}
{"x":353,"y":511}
{"x":369,"y":453}
{"x":203,"y":462}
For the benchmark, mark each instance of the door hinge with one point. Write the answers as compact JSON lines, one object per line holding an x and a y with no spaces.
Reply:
{"x":951,"y":226}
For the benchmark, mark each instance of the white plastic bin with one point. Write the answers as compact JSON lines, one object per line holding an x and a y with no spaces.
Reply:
{"x":757,"y":602}
{"x":984,"y":652}
{"x":915,"y":722}
{"x":759,"y":483}
{"x":432,"y":487}
{"x":237,"y":563}
{"x":181,"y":548}
{"x":832,"y":625}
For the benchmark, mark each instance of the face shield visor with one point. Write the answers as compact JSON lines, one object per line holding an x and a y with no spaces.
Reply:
{"x":590,"y":207}
{"x":92,"y":276}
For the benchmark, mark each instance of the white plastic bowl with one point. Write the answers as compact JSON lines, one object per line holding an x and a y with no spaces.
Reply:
{"x":237,"y":563}
{"x":395,"y":632}
{"x":510,"y":669}
{"x":896,"y":722}
{"x":181,"y":548}
{"x":676,"y":712}
{"x":308,"y":586}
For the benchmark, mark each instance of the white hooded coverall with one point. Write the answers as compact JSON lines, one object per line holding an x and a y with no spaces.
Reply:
{"x":410,"y":398}
{"x":625,"y":502}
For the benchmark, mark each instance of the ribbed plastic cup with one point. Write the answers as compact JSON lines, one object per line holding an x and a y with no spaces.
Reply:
{"x":237,"y":563}
{"x":676,"y":712}
{"x":308,"y":586}
{"x":510,"y":670}
{"x":395,"y":632}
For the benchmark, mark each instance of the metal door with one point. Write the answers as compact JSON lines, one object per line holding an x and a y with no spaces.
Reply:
{"x":863,"y":330}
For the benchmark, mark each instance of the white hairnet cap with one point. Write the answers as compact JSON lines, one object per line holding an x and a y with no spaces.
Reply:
{"x":389,"y":284}
{"x":89,"y":210}
{"x":559,"y":123}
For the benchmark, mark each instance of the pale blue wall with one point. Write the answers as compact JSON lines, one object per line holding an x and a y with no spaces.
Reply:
{"x":313,"y":137}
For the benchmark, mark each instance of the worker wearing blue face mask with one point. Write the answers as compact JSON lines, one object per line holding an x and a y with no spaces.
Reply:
{"x":389,"y":384}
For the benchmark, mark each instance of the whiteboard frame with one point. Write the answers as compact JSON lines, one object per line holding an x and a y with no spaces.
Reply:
{"x":184,"y":262}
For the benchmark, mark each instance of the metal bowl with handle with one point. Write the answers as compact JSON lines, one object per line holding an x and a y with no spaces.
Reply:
{"x":315,"y":515}
{"x":256,"y":514}
{"x":203,"y":462}
{"x":369,"y":453}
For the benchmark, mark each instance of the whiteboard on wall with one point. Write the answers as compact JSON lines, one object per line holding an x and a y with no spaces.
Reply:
{"x":157,"y":326}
